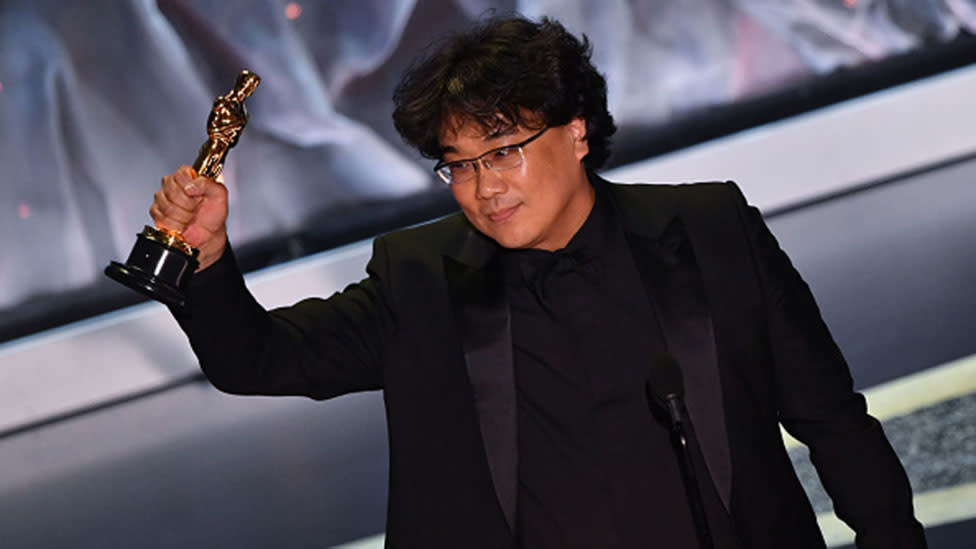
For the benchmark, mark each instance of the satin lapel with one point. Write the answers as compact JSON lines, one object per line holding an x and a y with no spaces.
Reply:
{"x":481,"y":310}
{"x":674,"y":286}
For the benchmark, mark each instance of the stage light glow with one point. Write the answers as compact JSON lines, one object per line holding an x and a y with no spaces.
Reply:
{"x":293,"y":10}
{"x":23,"y":210}
{"x":850,"y":3}
{"x":1,"y":87}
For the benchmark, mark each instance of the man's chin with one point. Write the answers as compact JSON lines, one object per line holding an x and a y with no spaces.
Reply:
{"x":506,"y":235}
{"x":510,"y":241}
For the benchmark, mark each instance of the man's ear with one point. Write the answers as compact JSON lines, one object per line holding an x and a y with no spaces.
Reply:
{"x":577,"y":130}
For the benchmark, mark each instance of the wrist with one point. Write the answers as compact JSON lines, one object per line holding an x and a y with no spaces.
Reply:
{"x":211,"y":252}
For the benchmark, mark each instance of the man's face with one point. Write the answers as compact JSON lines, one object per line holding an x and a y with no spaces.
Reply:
{"x":540,"y":204}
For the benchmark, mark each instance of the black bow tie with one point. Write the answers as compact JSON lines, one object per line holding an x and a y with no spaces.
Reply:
{"x":541,"y":272}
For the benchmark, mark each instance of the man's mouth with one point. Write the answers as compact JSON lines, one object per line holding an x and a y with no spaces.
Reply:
{"x":501,"y":215}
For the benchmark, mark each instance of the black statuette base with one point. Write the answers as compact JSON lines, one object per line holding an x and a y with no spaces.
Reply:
{"x":156,"y":270}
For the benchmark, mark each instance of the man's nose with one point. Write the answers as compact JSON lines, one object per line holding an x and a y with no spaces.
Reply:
{"x":490,"y":182}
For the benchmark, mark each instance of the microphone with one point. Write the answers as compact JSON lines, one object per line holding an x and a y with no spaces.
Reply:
{"x":666,"y":388}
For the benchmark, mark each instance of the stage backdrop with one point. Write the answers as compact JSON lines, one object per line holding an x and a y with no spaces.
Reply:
{"x":99,"y":99}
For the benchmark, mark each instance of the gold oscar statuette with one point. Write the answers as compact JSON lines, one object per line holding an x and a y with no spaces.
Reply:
{"x":161,"y":262}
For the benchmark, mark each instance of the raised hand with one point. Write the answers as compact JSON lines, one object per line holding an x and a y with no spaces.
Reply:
{"x":196,"y":208}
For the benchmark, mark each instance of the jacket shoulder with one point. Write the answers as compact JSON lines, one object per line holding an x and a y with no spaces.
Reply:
{"x":652,"y":206}
{"x":675,"y":192}
{"x":433,"y":238}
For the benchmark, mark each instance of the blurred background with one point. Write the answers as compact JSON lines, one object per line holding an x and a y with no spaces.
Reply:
{"x":847,"y":122}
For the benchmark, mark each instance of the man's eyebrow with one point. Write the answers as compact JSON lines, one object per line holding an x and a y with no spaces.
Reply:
{"x":500,"y":132}
{"x":497,"y":133}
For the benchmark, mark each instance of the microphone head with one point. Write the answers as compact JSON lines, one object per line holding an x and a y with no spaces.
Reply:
{"x":664,"y":378}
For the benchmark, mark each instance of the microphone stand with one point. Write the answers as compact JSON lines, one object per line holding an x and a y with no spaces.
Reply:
{"x":692,"y":488}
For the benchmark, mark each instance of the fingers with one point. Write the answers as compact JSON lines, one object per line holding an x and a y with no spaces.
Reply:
{"x":196,"y":207}
{"x":176,"y":202}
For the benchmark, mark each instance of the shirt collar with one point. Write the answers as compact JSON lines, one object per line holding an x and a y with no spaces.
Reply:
{"x":590,"y":243}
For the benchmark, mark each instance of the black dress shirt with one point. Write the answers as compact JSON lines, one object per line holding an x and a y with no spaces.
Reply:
{"x":596,"y":467}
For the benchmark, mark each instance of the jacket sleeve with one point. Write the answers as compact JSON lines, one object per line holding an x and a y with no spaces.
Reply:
{"x":817,"y":403}
{"x":318,"y":348}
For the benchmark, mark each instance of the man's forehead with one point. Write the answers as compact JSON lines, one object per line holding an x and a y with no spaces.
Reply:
{"x":458,"y":128}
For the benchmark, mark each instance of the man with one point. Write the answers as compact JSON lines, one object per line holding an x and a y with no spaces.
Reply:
{"x":513,"y":342}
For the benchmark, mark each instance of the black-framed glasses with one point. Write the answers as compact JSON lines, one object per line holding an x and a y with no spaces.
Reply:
{"x":500,"y":158}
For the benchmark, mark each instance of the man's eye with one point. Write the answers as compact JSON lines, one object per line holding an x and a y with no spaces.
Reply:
{"x":502,"y":153}
{"x":460,"y":167}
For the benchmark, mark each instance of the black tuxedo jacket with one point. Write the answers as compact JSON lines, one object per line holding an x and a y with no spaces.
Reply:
{"x":431,"y":327}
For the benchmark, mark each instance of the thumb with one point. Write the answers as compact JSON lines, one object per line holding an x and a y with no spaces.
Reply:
{"x":195,"y":188}
{"x":203,"y":187}
{"x":214,"y":190}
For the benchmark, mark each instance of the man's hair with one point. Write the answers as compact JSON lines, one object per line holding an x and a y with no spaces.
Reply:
{"x":505,"y":72}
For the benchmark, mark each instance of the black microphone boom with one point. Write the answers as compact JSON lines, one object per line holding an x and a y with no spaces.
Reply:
{"x":665,"y":387}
